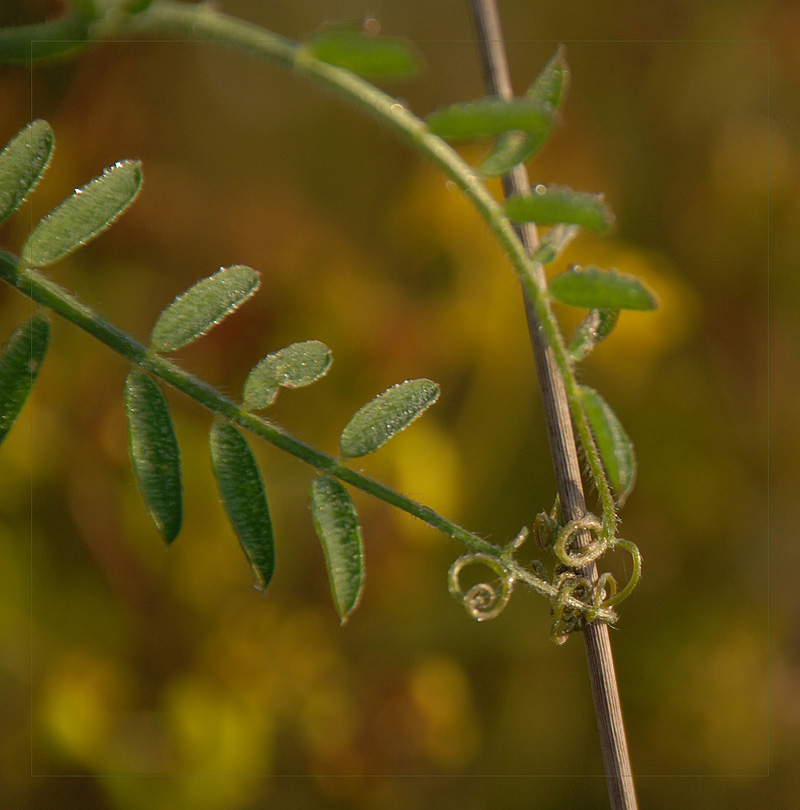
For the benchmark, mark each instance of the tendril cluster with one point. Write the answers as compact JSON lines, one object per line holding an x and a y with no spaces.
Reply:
{"x":573,"y":598}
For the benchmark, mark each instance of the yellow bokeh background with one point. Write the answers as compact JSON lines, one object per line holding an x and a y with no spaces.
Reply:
{"x":136,"y":675}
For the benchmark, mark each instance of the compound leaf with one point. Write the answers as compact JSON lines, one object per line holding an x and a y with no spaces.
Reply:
{"x":202,"y":306}
{"x":83,"y":215}
{"x":243,"y":495}
{"x":615,"y":447}
{"x":20,"y":361}
{"x":386,"y":415}
{"x":550,"y":205}
{"x":336,"y":524}
{"x":22,"y":164}
{"x":154,"y":452}
{"x":293,"y":367}
{"x":594,"y":288}
{"x":367,"y":54}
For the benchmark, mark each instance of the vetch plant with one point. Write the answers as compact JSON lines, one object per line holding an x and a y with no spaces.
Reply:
{"x":573,"y":537}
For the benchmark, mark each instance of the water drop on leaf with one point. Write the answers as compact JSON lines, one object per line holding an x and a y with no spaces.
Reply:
{"x":84,"y":215}
{"x":202,"y":306}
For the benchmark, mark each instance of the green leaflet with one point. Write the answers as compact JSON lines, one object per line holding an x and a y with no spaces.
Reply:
{"x":242,"y":492}
{"x":83,"y":215}
{"x":615,"y":447}
{"x":336,"y":524}
{"x":596,"y":326}
{"x":22,"y":164}
{"x":488,"y":117}
{"x":550,"y":205}
{"x":367,"y":54}
{"x":594,"y":288}
{"x":511,"y":149}
{"x":551,"y":85}
{"x":293,"y":367}
{"x":19,"y":365}
{"x":202,"y":306}
{"x":386,"y":415}
{"x":547,"y":92}
{"x":154,"y":452}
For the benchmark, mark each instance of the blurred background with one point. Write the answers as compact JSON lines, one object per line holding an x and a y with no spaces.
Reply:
{"x":123,"y":660}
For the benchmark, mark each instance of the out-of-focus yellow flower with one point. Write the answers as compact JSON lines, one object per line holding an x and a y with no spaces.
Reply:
{"x":83,"y":698}
{"x":441,"y":694}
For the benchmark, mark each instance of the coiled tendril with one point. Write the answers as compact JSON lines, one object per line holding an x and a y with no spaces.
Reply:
{"x":484,"y":600}
{"x":567,"y":617}
{"x":584,"y":556}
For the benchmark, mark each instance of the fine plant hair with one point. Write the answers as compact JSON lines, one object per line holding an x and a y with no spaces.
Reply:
{"x":532,"y":225}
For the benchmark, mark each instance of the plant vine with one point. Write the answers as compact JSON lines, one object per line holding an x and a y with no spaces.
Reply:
{"x":519,"y":127}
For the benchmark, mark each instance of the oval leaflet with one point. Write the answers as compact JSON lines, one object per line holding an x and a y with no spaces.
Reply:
{"x":336,"y":524}
{"x":488,"y":117}
{"x":386,"y":415}
{"x":202,"y":306}
{"x":22,"y":164}
{"x":596,"y":326}
{"x":551,"y":205}
{"x":615,"y":447}
{"x":547,"y":92}
{"x":367,"y":54}
{"x":20,"y":361}
{"x":84,"y":214}
{"x":154,"y":452}
{"x":593,"y":288}
{"x":295,"y":366}
{"x":243,"y":495}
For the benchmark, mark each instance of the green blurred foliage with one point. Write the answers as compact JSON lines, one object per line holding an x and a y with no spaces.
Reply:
{"x":123,"y":660}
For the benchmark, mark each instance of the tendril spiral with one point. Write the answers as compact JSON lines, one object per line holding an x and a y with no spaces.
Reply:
{"x":485,"y":600}
{"x":583,"y":556}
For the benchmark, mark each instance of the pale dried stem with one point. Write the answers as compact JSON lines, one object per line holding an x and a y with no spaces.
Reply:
{"x":562,"y":442}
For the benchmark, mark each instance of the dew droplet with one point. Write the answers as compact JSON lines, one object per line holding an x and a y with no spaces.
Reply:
{"x":540,"y":189}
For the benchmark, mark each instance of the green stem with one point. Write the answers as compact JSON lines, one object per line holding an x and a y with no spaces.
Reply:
{"x":202,"y":22}
{"x":45,"y":292}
